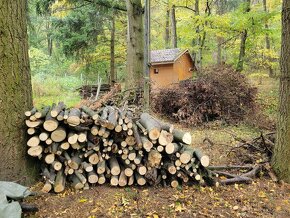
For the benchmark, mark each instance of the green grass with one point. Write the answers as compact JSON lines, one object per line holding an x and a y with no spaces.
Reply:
{"x":48,"y":89}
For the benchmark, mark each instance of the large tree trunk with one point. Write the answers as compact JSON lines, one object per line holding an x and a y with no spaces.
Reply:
{"x":267,"y":38}
{"x":281,"y":158}
{"x":135,"y":44}
{"x":167,"y":32}
{"x":15,"y":91}
{"x":240,"y":65}
{"x":112,"y":53}
{"x":173,"y":27}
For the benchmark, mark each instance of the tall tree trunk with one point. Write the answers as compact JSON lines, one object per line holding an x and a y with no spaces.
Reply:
{"x":198,"y":43}
{"x":135,"y":44}
{"x":48,"y":34}
{"x":220,"y":11}
{"x":173,"y":27}
{"x":15,"y":91}
{"x":112,"y":53}
{"x":267,"y":38}
{"x":240,"y":65}
{"x":281,"y":157}
{"x":167,"y":32}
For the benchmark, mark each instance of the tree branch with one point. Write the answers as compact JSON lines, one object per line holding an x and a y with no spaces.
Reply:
{"x":107,"y":4}
{"x":185,"y":7}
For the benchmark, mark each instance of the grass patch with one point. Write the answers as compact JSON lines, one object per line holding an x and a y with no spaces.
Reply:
{"x":48,"y":89}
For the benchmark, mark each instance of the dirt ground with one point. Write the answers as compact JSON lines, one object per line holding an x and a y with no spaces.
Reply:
{"x":262,"y":198}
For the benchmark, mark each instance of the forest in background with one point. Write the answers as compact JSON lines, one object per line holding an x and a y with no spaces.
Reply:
{"x":71,"y":42}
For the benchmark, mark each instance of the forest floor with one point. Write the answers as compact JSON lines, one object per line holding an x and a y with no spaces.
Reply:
{"x":262,"y":198}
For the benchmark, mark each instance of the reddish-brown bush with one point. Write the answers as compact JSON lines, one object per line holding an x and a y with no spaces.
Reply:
{"x":219,"y":94}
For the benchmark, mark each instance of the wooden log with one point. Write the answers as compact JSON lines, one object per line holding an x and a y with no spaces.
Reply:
{"x":112,"y":118}
{"x":101,"y":167}
{"x":74,"y":162}
{"x":33,"y":141}
{"x":132,"y":155}
{"x":56,"y":165}
{"x":43,"y":136}
{"x":172,"y":148}
{"x":140,"y":179}
{"x":137,"y":136}
{"x":165,"y":138}
{"x":58,"y":135}
{"x":103,"y":119}
{"x":124,"y":127}
{"x":42,"y":113}
{"x":92,"y":177}
{"x":152,"y":126}
{"x":147,"y":145}
{"x":141,"y":127}
{"x":32,"y":118}
{"x":88,"y":167}
{"x":94,"y":158}
{"x":130,"y":140}
{"x":50,"y":124}
{"x":186,"y":154}
{"x":76,"y":183}
{"x":33,"y":124}
{"x":160,"y":148}
{"x":47,"y":187}
{"x":76,"y":146}
{"x":81,"y":177}
{"x":122,"y":179}
{"x":82,"y":137}
{"x":31,"y":112}
{"x":114,"y":180}
{"x":57,"y":109}
{"x":74,"y":117}
{"x":203,"y":159}
{"x":65,"y":145}
{"x":49,"y":158}
{"x":170,"y":168}
{"x":35,"y":151}
{"x":72,"y":138}
{"x":65,"y":115}
{"x":128,"y":171}
{"x":130,"y":132}
{"x":59,"y":184}
{"x":48,"y":141}
{"x":154,"y":158}
{"x":114,"y":166}
{"x":60,"y":116}
{"x":102,"y":179}
{"x":118,"y":128}
{"x":138,"y":159}
{"x":167,"y":127}
{"x":180,"y":136}
{"x":142,"y":170}
{"x":174,"y":182}
{"x":31,"y":131}
{"x":131,"y":180}
{"x":90,"y":112}
{"x":95,"y":130}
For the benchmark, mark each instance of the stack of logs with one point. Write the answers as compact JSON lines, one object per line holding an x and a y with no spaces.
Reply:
{"x":84,"y":147}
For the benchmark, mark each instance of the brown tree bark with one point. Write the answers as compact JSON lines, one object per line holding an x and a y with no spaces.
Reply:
{"x":220,"y":11}
{"x":281,"y":157}
{"x":267,"y":38}
{"x":135,"y":44}
{"x":240,"y":65}
{"x":112,"y":53}
{"x":167,"y":32}
{"x":173,"y":27}
{"x":15,"y":91}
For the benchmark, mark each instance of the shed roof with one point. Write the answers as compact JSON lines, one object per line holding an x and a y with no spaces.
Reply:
{"x":166,"y":55}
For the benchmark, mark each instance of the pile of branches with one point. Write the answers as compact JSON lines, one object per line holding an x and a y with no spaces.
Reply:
{"x":81,"y":147}
{"x":219,"y":94}
{"x":90,"y":91}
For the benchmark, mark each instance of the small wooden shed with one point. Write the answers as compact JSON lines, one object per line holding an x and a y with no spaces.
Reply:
{"x":170,"y":66}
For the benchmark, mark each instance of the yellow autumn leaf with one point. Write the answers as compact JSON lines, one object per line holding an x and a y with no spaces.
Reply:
{"x":83,"y":200}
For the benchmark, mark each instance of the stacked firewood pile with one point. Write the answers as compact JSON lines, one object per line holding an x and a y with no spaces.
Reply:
{"x":89,"y":91}
{"x":82,"y":147}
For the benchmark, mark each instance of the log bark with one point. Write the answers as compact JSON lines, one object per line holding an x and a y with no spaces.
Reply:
{"x":114,"y":166}
{"x":74,"y":117}
{"x":152,"y":126}
{"x":60,"y":180}
{"x":180,"y":136}
{"x":57,"y":109}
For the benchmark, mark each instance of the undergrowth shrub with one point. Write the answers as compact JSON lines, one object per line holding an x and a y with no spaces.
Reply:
{"x":220,"y":93}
